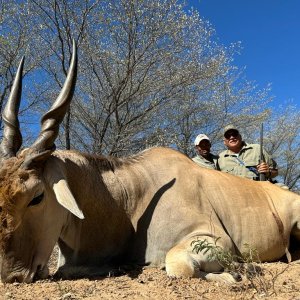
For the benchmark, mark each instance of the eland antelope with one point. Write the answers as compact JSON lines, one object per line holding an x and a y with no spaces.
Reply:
{"x":146,"y":209}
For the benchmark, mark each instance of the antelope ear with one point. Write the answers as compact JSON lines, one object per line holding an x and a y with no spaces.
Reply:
{"x":66,"y":199}
{"x":55,"y":175}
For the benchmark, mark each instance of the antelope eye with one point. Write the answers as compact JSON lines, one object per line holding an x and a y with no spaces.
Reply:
{"x":36,"y":200}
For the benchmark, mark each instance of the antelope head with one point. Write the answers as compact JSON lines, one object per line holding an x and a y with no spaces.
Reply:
{"x":28,"y":205}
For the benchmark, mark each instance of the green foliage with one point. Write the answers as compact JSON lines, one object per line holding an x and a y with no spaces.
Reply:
{"x":225,"y":257}
{"x":246,"y":265}
{"x":216,"y":253}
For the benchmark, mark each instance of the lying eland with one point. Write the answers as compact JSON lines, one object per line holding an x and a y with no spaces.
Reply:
{"x":148,"y":208}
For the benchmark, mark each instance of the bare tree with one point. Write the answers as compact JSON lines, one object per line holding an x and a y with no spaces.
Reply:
{"x":219,"y":104}
{"x":150,"y":73}
{"x":13,"y":40}
{"x":56,"y":24}
{"x":144,"y":63}
{"x":283,"y":141}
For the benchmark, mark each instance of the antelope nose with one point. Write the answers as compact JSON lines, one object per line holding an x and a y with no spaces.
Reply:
{"x":9,"y":276}
{"x":6,"y":278}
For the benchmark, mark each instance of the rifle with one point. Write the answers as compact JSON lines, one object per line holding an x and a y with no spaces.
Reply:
{"x":262,"y":176}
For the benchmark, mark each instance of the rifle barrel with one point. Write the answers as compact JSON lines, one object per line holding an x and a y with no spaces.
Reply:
{"x":262,"y":176}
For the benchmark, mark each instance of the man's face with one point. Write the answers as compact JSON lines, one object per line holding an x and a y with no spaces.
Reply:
{"x":204,"y":148}
{"x":233,"y":140}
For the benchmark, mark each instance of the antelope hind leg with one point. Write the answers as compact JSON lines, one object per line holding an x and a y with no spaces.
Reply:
{"x":182,"y":261}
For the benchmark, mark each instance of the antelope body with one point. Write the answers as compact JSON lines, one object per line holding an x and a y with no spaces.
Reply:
{"x":147,"y":208}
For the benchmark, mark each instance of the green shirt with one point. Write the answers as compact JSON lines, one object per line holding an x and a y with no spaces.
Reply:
{"x":206,"y":163}
{"x":244,"y":163}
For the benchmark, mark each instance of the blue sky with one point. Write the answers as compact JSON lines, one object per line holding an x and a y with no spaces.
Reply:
{"x":269,"y":31}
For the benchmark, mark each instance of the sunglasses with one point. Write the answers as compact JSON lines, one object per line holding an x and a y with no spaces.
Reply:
{"x":232,"y":133}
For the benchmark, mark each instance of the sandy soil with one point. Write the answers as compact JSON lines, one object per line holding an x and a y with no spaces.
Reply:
{"x":278,"y":281}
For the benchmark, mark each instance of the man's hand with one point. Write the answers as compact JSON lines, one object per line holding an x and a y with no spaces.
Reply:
{"x":263,"y":168}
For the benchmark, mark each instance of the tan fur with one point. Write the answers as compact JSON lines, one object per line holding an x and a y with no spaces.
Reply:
{"x":148,"y":209}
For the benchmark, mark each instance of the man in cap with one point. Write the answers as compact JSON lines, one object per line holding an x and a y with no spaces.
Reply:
{"x":204,"y":158}
{"x":243,"y":159}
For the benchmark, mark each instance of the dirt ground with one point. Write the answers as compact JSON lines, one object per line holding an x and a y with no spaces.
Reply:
{"x":278,"y":281}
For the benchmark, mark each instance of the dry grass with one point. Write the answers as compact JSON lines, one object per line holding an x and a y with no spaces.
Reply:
{"x":154,"y":284}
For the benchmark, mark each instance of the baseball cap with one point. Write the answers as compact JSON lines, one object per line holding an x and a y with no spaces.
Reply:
{"x":229,"y":127}
{"x":199,"y":138}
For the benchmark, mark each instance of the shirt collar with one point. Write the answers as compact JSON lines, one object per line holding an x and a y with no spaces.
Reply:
{"x":244,"y":147}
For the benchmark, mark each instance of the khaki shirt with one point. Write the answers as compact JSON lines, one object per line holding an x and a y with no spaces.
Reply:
{"x":244,"y":163}
{"x":203,"y":162}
